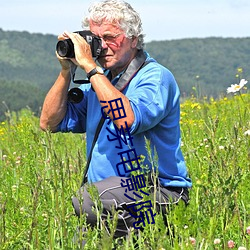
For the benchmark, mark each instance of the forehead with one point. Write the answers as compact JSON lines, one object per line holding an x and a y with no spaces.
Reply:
{"x":104,"y":27}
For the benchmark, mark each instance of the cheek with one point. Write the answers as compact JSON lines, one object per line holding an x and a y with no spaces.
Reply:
{"x":119,"y":43}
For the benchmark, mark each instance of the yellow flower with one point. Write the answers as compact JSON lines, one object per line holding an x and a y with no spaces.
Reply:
{"x":195,"y":105}
{"x":240,"y":70}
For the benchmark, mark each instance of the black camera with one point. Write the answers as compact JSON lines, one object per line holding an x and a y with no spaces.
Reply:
{"x":65,"y":48}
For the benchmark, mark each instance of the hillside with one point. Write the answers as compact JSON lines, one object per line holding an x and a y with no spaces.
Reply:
{"x":211,"y":63}
{"x":28,"y":66}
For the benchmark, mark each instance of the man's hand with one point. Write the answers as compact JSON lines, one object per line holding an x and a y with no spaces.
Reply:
{"x":83,"y":54}
{"x":66,"y":63}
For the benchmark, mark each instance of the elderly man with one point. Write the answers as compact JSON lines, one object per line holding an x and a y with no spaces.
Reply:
{"x":139,"y":101}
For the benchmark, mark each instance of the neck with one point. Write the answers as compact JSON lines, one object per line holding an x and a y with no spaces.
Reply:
{"x":117,"y":71}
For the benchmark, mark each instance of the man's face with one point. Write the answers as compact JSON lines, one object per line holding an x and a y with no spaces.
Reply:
{"x":118,"y":50}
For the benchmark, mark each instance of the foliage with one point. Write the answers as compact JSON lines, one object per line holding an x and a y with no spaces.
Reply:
{"x":14,"y":95}
{"x":28,"y":68}
{"x":28,"y":58}
{"x":208,"y":62}
{"x":41,"y":171}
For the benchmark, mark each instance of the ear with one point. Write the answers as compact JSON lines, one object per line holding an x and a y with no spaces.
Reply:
{"x":134,"y":42}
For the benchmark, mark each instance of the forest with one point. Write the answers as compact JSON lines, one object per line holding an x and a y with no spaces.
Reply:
{"x":202,"y":67}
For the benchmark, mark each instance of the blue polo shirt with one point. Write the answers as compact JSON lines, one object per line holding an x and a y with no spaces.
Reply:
{"x":154,"y":97}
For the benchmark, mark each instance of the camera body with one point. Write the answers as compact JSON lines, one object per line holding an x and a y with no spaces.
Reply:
{"x":65,"y":48}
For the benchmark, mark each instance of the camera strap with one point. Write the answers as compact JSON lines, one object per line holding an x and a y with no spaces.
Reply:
{"x":136,"y":64}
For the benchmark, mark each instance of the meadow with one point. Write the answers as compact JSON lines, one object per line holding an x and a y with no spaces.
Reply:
{"x":40,"y":172}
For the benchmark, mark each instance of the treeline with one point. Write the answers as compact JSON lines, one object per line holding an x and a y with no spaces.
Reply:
{"x":210,"y":64}
{"x":28,"y":68}
{"x":16,"y":95}
{"x":204,"y":67}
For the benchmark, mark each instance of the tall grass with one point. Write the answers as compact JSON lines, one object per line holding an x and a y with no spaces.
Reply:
{"x":40,"y":172}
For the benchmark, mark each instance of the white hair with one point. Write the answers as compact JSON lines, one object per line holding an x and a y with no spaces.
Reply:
{"x":120,"y":13}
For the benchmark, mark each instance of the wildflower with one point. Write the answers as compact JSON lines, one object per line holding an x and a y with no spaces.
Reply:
{"x":216,"y":241}
{"x":198,"y":182}
{"x":192,"y":240}
{"x":248,"y":230}
{"x":195,"y":106}
{"x":242,"y":248}
{"x":221,"y":147}
{"x":230,"y":244}
{"x":247,"y":133}
{"x":237,"y":87}
{"x":45,"y":216}
{"x":240,"y":70}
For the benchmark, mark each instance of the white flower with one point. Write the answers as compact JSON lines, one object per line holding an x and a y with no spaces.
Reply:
{"x":246,"y":133}
{"x":242,"y":248}
{"x":22,"y":210}
{"x":217,"y":241}
{"x":237,"y":87}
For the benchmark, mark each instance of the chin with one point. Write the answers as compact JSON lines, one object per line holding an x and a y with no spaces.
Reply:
{"x":105,"y":64}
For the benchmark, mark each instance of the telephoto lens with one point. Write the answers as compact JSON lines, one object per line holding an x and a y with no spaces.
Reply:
{"x":65,"y":48}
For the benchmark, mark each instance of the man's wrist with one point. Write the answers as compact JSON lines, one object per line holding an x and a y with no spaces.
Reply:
{"x":65,"y":73}
{"x":96,"y":70}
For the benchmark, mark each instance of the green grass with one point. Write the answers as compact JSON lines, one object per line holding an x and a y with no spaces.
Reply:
{"x":40,"y":172}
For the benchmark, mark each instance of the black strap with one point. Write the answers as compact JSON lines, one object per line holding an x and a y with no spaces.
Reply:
{"x":136,"y":64}
{"x":97,"y":132}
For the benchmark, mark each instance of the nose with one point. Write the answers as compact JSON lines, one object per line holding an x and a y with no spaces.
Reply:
{"x":104,"y":44}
